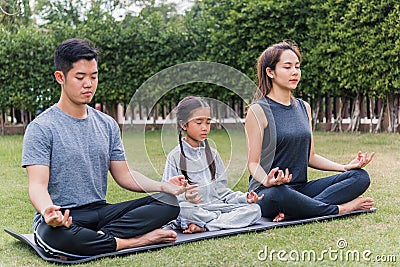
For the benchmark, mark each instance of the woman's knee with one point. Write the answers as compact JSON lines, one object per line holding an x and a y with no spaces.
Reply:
{"x":274,"y":193}
{"x":363,"y":178}
{"x":272,"y":197}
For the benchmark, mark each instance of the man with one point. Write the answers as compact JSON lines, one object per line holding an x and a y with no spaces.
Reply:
{"x":68,"y":151}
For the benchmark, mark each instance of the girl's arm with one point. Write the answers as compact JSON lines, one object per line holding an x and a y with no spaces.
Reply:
{"x":171,"y":169}
{"x":220,"y":186}
{"x":255,"y":124}
{"x":321,"y":163}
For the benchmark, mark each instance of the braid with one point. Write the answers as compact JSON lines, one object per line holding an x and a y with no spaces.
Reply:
{"x":182,"y":159}
{"x":184,"y":112}
{"x":210,"y":160}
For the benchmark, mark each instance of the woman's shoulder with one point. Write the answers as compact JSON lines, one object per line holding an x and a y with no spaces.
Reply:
{"x":256,"y":108}
{"x":257,"y":115}
{"x":303,"y":104}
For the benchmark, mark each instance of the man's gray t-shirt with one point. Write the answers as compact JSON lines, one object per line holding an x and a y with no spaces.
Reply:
{"x":78,"y":152}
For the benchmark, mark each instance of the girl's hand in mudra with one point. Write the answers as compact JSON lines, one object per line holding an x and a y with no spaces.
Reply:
{"x":192,"y":195}
{"x":252,"y":197}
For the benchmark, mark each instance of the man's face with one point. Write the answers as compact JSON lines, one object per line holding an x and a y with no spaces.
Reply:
{"x":80,"y":84}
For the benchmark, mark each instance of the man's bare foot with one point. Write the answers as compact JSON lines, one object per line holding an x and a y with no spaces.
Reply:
{"x":154,"y":237}
{"x":360,"y":203}
{"x":193,"y":228}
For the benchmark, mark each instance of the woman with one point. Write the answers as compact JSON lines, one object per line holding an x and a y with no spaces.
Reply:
{"x":281,"y":148}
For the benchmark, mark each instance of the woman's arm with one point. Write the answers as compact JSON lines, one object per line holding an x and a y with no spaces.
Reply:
{"x":255,"y":124}
{"x":319,"y":162}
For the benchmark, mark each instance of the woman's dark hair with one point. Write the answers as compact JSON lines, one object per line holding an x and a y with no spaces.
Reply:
{"x":71,"y":51}
{"x":268,"y":59}
{"x":184,"y":112}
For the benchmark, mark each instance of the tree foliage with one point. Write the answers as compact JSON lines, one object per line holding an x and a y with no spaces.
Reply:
{"x":350,"y":48}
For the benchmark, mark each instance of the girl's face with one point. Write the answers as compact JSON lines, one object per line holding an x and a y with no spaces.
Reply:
{"x":287,"y":72}
{"x":198,"y":126}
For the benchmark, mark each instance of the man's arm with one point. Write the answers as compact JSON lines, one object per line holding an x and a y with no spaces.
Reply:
{"x":38,"y":180}
{"x":137,"y":182}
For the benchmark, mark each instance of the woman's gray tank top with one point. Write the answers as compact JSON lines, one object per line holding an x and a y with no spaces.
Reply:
{"x":286,"y":141}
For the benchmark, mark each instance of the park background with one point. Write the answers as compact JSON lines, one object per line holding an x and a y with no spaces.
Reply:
{"x":350,"y":69}
{"x":350,"y":76}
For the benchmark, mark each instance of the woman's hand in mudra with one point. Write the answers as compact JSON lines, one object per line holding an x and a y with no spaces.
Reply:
{"x":277,"y":177}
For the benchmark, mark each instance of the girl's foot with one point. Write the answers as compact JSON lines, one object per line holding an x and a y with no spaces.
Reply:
{"x":193,"y":228}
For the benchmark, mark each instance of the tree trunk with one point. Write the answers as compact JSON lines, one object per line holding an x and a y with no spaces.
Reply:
{"x":398,"y":112}
{"x":380,"y":119}
{"x":112,"y":110}
{"x":23,"y":117}
{"x":140,"y":111}
{"x":132,"y":110}
{"x":362,"y":107}
{"x":337,"y":124}
{"x":345,"y":108}
{"x":395,"y":113}
{"x":389,"y":105}
{"x":392,"y":103}
{"x":321,"y":113}
{"x":316,"y":112}
{"x":328,"y":112}
{"x":164,"y":112}
{"x":2,"y":121}
{"x":371,"y":114}
{"x":355,"y":115}
{"x":147,"y":112}
{"x":155,"y":116}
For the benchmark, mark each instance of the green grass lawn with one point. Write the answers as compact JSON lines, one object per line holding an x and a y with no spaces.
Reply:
{"x":377,"y":234}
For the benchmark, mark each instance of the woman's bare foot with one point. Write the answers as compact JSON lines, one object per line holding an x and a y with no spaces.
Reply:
{"x":154,"y":237}
{"x":193,"y":228}
{"x":360,"y":203}
{"x":280,"y":217}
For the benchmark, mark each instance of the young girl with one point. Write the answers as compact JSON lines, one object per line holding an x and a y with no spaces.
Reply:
{"x":211,"y":205}
{"x":280,"y":172}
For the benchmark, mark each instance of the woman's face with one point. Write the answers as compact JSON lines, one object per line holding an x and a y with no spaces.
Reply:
{"x":287,"y":72}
